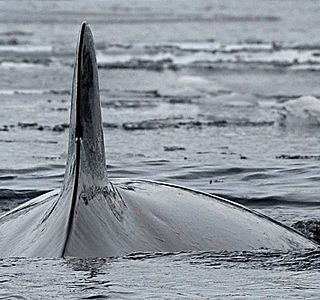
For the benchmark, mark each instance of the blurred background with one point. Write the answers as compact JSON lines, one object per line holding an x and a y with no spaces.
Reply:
{"x":219,"y":96}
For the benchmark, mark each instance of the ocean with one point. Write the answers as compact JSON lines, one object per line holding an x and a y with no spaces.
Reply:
{"x":219,"y":96}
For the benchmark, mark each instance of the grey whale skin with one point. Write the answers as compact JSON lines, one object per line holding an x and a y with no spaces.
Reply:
{"x":92,"y":217}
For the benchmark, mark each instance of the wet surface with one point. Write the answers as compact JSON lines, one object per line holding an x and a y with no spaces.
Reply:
{"x":219,"y":97}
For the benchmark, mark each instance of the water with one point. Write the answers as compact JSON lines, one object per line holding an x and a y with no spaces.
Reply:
{"x":168,"y":276}
{"x":220,"y":96}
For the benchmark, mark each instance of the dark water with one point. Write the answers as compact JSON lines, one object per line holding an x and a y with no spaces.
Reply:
{"x":220,"y":96}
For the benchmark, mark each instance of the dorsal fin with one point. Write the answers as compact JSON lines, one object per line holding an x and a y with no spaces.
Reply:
{"x":86,"y":144}
{"x":86,"y":165}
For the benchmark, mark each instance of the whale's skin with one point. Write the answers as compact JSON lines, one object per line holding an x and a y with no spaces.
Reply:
{"x":148,"y":216}
{"x":90,"y":216}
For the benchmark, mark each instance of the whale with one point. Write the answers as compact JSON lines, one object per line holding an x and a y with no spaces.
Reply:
{"x":93,"y":216}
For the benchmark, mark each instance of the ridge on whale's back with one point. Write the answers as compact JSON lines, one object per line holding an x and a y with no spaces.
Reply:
{"x":91,"y":216}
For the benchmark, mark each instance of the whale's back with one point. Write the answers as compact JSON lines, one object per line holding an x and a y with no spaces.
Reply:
{"x":143,"y":216}
{"x":92,"y":217}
